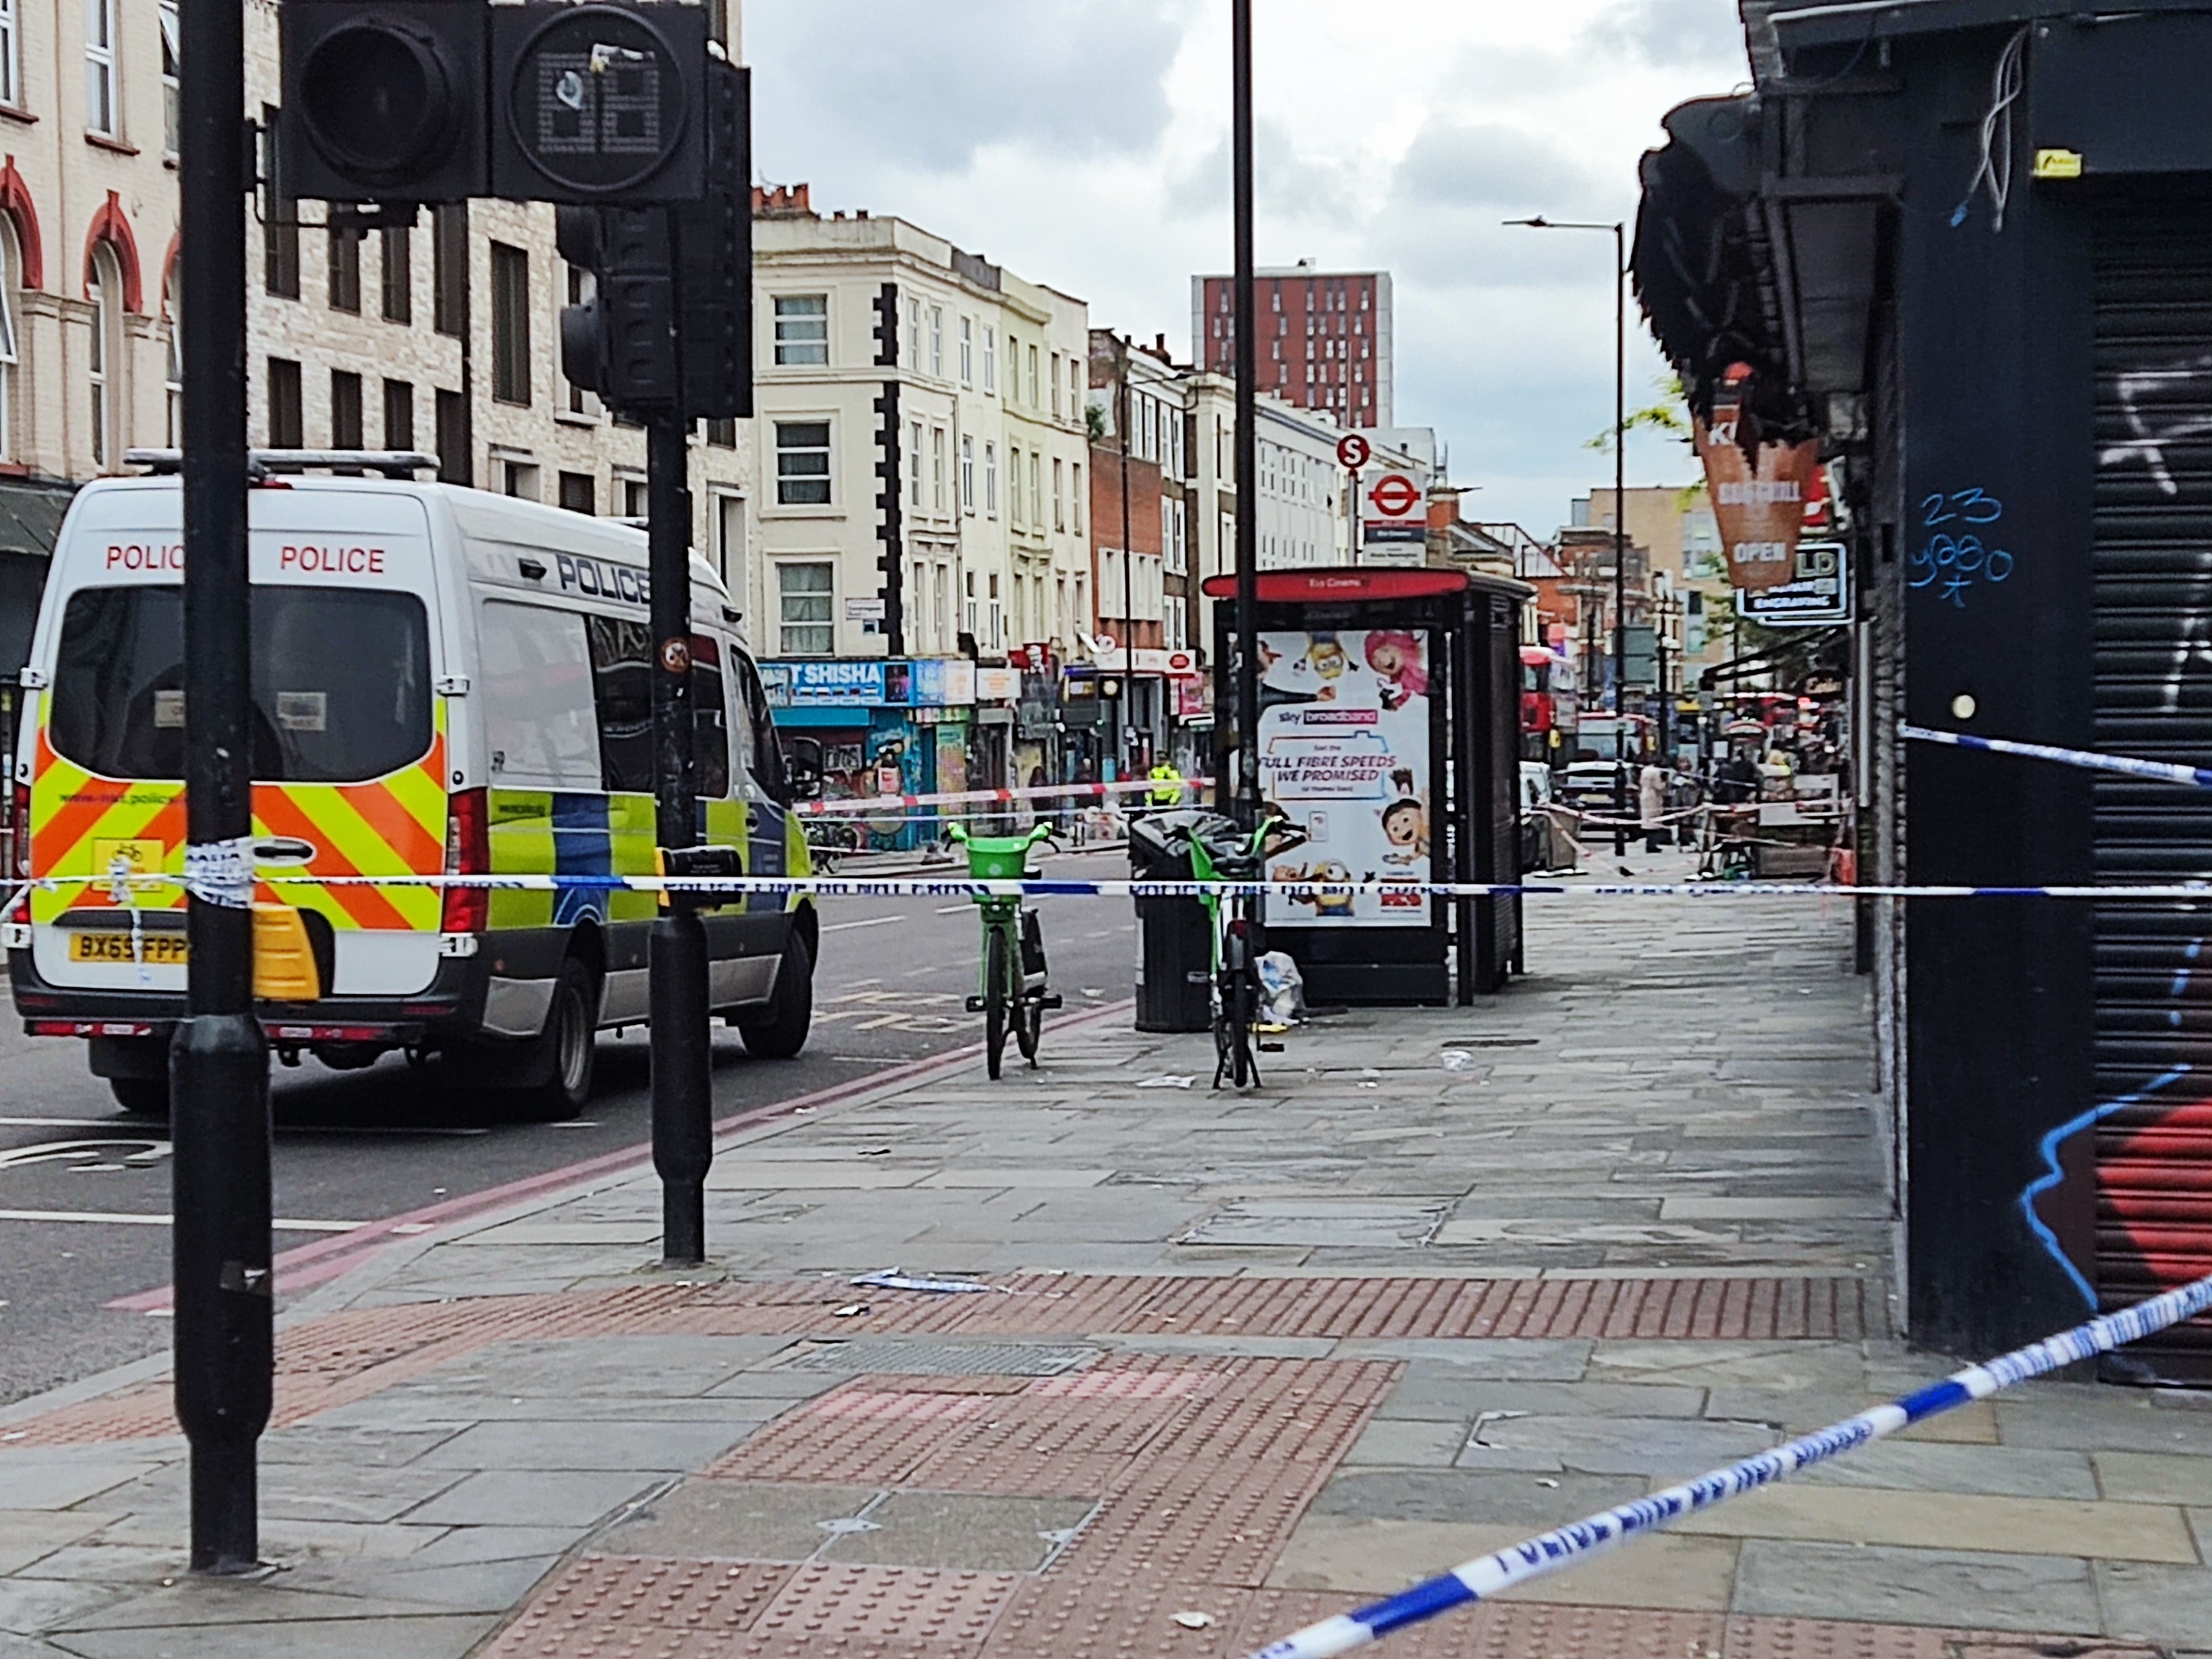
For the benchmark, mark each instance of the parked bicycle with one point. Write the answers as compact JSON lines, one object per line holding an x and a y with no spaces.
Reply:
{"x":1014,"y":993}
{"x":830,"y":841}
{"x":1239,"y":939}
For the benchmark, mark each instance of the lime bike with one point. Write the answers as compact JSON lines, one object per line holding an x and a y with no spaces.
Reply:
{"x":1221,"y":853}
{"x":1015,"y":993}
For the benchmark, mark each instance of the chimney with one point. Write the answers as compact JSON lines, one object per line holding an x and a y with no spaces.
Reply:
{"x":783,"y":201}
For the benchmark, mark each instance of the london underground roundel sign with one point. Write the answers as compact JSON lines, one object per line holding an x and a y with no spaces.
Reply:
{"x":1394,"y":495}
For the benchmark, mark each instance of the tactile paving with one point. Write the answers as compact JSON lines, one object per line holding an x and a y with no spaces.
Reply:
{"x":607,"y":1605}
{"x":944,"y":1612}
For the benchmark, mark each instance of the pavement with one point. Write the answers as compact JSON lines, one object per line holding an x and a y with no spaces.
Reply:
{"x":1447,"y":1278}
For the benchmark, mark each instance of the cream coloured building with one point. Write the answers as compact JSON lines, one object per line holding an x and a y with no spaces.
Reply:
{"x":897,"y":370}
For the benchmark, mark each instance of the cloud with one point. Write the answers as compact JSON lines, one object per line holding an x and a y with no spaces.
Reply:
{"x":927,"y":87}
{"x":1669,"y":33}
{"x":1288,"y":184}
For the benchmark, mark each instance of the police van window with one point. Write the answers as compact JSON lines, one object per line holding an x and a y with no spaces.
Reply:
{"x":341,"y":682}
{"x":710,"y":716}
{"x":766,"y":762}
{"x":740,"y":720}
{"x":540,"y":725}
{"x":622,"y":684}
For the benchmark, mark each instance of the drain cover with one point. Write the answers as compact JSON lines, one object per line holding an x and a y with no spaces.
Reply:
{"x":939,"y":1358}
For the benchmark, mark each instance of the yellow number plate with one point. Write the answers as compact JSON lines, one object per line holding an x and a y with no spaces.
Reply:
{"x":156,"y":948}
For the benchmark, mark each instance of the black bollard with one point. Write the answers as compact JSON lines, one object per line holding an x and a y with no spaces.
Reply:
{"x":683,"y":1084}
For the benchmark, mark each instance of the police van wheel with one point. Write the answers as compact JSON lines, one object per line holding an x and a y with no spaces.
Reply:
{"x":570,"y":1048}
{"x":781,"y":1031}
{"x":142,"y":1097}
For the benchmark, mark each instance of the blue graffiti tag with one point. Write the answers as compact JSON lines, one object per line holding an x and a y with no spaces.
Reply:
{"x":1958,"y":558}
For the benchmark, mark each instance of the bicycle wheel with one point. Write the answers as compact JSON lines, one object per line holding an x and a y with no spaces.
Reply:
{"x":997,"y":978}
{"x":1244,"y":991}
{"x":1029,"y":1012}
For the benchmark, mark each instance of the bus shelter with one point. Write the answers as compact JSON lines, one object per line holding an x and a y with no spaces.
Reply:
{"x":1389,"y":732}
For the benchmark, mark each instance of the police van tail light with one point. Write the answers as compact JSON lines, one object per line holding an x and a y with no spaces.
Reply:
{"x":19,"y":854}
{"x":468,"y":853}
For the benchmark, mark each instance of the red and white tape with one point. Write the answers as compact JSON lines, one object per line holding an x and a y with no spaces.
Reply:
{"x":986,"y":797}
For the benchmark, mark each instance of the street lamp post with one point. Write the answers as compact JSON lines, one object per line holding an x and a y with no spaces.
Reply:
{"x":1619,"y":229}
{"x":1247,"y":781}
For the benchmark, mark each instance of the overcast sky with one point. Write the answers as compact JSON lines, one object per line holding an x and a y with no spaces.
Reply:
{"x":1082,"y":143}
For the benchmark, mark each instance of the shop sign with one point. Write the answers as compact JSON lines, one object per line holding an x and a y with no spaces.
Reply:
{"x":1192,"y":698}
{"x":1817,"y":595}
{"x":944,"y":682}
{"x":1759,"y":500}
{"x":997,"y":685}
{"x":827,"y":683}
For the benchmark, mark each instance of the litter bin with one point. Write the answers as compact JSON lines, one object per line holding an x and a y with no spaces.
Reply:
{"x":1174,"y":942}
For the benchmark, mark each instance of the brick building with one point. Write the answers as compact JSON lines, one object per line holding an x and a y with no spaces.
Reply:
{"x":1326,"y":339}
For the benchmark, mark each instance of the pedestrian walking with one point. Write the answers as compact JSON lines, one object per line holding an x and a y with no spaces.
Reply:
{"x":1651,"y":804}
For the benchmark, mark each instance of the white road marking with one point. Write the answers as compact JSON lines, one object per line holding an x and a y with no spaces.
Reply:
{"x":871,"y":921}
{"x":955,"y":909}
{"x":124,"y":1218}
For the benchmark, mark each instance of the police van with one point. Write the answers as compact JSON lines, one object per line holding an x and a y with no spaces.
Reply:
{"x":444,"y":682}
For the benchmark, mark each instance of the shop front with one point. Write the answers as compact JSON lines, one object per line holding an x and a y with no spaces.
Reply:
{"x":894,"y":727}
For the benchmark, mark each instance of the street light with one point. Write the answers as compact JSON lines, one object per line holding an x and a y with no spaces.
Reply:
{"x":1619,"y":229}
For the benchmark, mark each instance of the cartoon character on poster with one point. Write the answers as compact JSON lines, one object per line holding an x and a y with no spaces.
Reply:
{"x":1345,"y":741}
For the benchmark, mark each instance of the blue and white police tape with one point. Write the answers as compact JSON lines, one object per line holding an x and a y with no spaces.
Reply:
{"x":2192,"y":777}
{"x":1307,"y":893}
{"x":1550,"y":1552}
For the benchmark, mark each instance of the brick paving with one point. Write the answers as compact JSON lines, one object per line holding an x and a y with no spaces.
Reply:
{"x":1246,"y":1362}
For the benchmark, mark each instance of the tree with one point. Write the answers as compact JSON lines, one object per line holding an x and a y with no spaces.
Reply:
{"x":1670,"y":415}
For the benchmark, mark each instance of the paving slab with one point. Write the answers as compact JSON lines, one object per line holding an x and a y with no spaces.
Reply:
{"x":1937,"y":1521}
{"x":671,"y":1448}
{"x":1380,"y":1557}
{"x":739,"y":1520}
{"x":2154,"y":1478}
{"x":502,"y":1497}
{"x":411,"y":1636}
{"x":1938,"y":1587}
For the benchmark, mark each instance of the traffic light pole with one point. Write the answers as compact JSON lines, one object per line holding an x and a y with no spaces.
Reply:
{"x":683,"y":1082}
{"x":219,"y":1061}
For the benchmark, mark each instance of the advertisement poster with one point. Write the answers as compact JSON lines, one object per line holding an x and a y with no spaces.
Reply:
{"x":1344,"y":754}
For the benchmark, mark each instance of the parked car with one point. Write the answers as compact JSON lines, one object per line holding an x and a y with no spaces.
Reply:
{"x":1588,"y":786}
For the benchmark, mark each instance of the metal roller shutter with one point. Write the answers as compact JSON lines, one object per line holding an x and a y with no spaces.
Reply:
{"x":2154,"y":697}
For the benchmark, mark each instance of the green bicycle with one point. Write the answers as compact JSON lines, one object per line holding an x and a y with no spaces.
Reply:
{"x":1239,"y":939}
{"x":1014,"y":991}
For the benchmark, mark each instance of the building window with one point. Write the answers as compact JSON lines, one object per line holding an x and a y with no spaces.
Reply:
{"x":1033,"y":377}
{"x":10,"y":266}
{"x":510,"y":324}
{"x":1076,"y":494}
{"x":991,"y":480}
{"x":802,"y":331}
{"x":937,"y":341}
{"x":802,"y":463}
{"x":578,"y":494}
{"x":1013,"y":485}
{"x":967,"y":343}
{"x":455,"y":463}
{"x":579,"y":284}
{"x":913,"y":335}
{"x":172,"y":83}
{"x":287,"y":424}
{"x":345,"y":269}
{"x":1059,"y":493}
{"x":398,"y":264}
{"x":399,"y":415}
{"x":914,"y":465}
{"x":1055,"y":385}
{"x":937,"y":469}
{"x":730,"y":544}
{"x":280,"y":238}
{"x":1074,"y":388}
{"x":967,"y":476}
{"x":11,"y":56}
{"x":103,"y":358}
{"x":345,"y":410}
{"x":100,"y":99}
{"x":633,"y":492}
{"x":722,"y":434}
{"x":1037,"y":490}
{"x":990,"y":363}
{"x":449,"y":269}
{"x":803,"y":602}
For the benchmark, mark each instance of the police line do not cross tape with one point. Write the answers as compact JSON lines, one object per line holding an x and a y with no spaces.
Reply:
{"x":1565,"y":1546}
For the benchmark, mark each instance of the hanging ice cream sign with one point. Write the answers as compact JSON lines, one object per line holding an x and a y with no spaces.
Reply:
{"x":1758,"y":499}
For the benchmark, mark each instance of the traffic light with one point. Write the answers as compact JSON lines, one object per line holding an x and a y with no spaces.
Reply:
{"x":598,"y":102}
{"x":620,"y":342}
{"x":440,"y":100}
{"x":714,"y":258}
{"x":669,"y":329}
{"x":384,"y":101}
